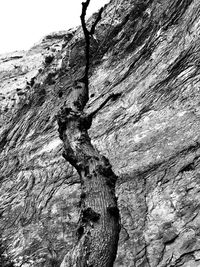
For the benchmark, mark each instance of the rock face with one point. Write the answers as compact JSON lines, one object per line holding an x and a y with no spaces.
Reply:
{"x":148,"y":51}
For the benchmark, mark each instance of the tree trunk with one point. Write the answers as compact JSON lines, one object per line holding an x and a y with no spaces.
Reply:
{"x":98,"y":229}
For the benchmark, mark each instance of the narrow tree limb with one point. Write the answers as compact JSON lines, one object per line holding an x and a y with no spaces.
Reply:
{"x":96,"y":21}
{"x":83,"y":14}
{"x":110,"y":97}
{"x":87,"y":43}
{"x":88,"y":34}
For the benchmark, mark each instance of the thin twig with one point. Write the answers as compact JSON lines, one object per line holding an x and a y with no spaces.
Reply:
{"x":96,"y":22}
{"x":112,"y":97}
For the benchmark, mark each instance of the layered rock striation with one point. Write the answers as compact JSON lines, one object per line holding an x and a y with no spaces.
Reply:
{"x":147,"y":52}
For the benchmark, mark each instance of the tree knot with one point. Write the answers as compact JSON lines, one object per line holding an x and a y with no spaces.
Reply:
{"x":89,"y":215}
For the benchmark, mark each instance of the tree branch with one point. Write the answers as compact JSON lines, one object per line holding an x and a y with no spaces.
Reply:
{"x":96,"y":22}
{"x":112,"y":97}
{"x":87,"y":42}
{"x":83,"y":14}
{"x":88,"y":34}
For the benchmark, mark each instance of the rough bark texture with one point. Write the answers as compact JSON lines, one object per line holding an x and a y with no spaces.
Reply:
{"x":149,"y":52}
{"x":98,"y":228}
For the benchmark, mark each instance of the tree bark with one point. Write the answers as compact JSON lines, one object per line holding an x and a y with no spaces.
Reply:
{"x":98,"y":229}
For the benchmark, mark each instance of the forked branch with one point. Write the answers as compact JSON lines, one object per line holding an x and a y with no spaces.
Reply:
{"x":83,"y":14}
{"x":87,"y":35}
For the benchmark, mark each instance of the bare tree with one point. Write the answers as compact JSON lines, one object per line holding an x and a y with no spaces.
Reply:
{"x":98,"y":228}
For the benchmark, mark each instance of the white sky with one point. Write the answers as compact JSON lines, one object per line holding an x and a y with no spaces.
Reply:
{"x":25,"y":22}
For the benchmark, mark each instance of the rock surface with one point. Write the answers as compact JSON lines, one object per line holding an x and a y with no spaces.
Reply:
{"x":148,"y":51}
